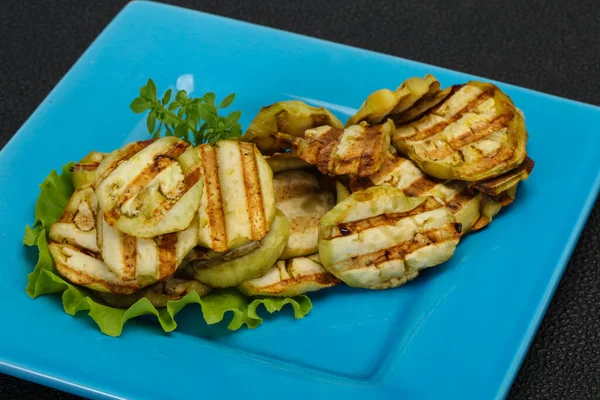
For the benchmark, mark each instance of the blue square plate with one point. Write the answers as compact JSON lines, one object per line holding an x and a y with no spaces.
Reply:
{"x":459,"y":331}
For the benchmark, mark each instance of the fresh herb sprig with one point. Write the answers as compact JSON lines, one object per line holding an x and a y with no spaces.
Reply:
{"x":195,"y":120}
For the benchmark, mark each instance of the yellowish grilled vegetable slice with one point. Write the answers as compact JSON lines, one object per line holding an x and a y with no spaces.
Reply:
{"x":159,"y":294}
{"x":358,"y":150}
{"x":462,"y":200}
{"x":385,"y":103}
{"x":341,"y":192}
{"x":289,"y":278}
{"x":291,"y":117}
{"x":234,"y":267}
{"x":280,"y":162}
{"x":303,"y":200}
{"x":492,"y":204}
{"x":75,"y":252}
{"x":84,"y":171}
{"x":238,"y":201}
{"x":379,"y":238}
{"x":132,"y":258}
{"x":476,"y":133}
{"x":502,"y":183}
{"x":421,"y":106}
{"x":150,"y":188}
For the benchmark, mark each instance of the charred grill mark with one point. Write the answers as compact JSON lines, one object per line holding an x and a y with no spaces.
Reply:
{"x":400,"y":251}
{"x":213,"y":200}
{"x":252,"y":186}
{"x":420,"y":187}
{"x":437,"y":128}
{"x":129,"y":257}
{"x":328,"y":147}
{"x":167,"y":254}
{"x":131,"y":151}
{"x":347,"y":228}
{"x":85,"y":167}
{"x":460,"y":199}
{"x":521,"y":172}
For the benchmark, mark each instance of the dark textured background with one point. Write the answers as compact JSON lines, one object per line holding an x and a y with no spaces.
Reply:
{"x":552,"y":47}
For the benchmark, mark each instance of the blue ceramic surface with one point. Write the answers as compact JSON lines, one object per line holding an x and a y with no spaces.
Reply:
{"x":458,"y":331}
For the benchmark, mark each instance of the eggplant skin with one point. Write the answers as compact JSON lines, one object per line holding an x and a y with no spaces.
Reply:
{"x":225,"y":270}
{"x":289,"y":278}
{"x":84,"y":172}
{"x":380,"y":238}
{"x":475,"y":133}
{"x":357,"y":150}
{"x":292,"y":117}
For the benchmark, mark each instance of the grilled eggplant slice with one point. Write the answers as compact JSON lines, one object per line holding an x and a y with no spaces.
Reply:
{"x":292,"y":117}
{"x":359,"y":149}
{"x":75,"y":251}
{"x":238,"y":201}
{"x":159,"y":294}
{"x":303,"y":200}
{"x":385,"y":103}
{"x":341,"y":192}
{"x":462,"y":200}
{"x":379,"y":238}
{"x":280,"y":162}
{"x":492,"y":204}
{"x":476,"y":133}
{"x":232,"y":268}
{"x":504,"y":182}
{"x":84,"y":171}
{"x":150,"y":188}
{"x":131,"y":258}
{"x":289,"y":278}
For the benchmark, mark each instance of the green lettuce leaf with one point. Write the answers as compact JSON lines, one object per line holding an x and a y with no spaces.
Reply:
{"x":55,"y":193}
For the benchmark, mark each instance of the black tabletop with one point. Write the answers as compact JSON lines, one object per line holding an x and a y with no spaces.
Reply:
{"x":551,"y":46}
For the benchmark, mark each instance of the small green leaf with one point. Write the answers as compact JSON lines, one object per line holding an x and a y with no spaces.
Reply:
{"x":174,"y":105}
{"x":181,"y":96}
{"x":139,"y":105}
{"x":149,"y":91}
{"x":227,"y":101}
{"x":210,"y":98}
{"x":166,"y":97}
{"x":208,"y":113}
{"x":169,"y":131}
{"x":151,"y":122}
{"x":181,"y":130}
{"x":232,"y":118}
{"x":181,"y":112}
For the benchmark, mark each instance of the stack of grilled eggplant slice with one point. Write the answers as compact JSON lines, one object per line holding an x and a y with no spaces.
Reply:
{"x":300,"y":202}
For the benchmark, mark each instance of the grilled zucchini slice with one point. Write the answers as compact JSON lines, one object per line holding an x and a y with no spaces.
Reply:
{"x":291,"y":117}
{"x":492,"y":204}
{"x":359,"y":149}
{"x":504,"y":182}
{"x":462,"y":200}
{"x":289,"y":278}
{"x":234,"y":267}
{"x":476,"y":133}
{"x":159,"y":294}
{"x":150,"y":188}
{"x":84,"y":171}
{"x":238,"y":201}
{"x":303,"y":200}
{"x":75,"y":251}
{"x":132,"y":258}
{"x":379,"y":238}
{"x":385,"y":103}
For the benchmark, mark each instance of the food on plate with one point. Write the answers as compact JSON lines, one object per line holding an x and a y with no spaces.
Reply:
{"x":357,"y":150}
{"x":385,"y":103}
{"x":380,"y":238}
{"x":250,"y":261}
{"x":290,"y":278}
{"x":238,"y":203}
{"x":304,"y":199}
{"x":292,"y":117}
{"x":475,"y":133}
{"x":150,"y":188}
{"x":300,"y":203}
